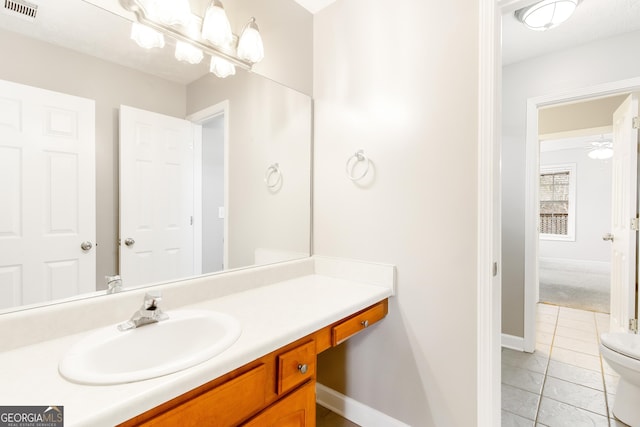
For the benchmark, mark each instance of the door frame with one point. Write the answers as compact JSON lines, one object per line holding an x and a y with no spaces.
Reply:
{"x":198,"y":118}
{"x":488,"y":285}
{"x":532,"y":160}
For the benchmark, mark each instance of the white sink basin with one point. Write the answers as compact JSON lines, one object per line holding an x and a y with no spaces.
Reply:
{"x":111,"y":356}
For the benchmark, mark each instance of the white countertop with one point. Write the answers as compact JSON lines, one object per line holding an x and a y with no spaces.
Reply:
{"x":271,"y":316}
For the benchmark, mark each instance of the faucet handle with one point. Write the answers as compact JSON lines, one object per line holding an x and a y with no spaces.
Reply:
{"x":151,"y":300}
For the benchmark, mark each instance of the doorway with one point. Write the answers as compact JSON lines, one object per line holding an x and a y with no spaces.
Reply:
{"x":211,"y":183}
{"x":620,"y":310}
{"x":213,"y":205}
{"x":574,"y":260}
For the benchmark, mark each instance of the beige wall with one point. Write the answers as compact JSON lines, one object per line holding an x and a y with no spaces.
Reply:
{"x":43,"y":65}
{"x":287,"y":33}
{"x":399,"y":80}
{"x":587,"y":65}
{"x":576,"y":116}
{"x":268,"y":123}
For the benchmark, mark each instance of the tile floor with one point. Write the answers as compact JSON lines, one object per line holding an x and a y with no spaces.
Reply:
{"x":326,"y":418}
{"x":565,"y":382}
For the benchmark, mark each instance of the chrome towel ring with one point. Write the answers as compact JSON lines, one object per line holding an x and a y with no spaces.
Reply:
{"x":273,"y":176}
{"x":358,"y":157}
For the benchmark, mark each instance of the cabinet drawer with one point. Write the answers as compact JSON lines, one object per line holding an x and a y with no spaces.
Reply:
{"x":225,"y":405}
{"x":296,"y":366}
{"x":357,"y":323}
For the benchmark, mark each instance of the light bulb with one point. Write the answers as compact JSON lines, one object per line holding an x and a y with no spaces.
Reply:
{"x":171,"y":12}
{"x":146,"y":37}
{"x":221,"y":67}
{"x":215,"y":26}
{"x":250,"y":45}
{"x":188,"y":53}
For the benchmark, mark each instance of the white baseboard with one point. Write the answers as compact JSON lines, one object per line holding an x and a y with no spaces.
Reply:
{"x":512,"y":342}
{"x":353,"y":410}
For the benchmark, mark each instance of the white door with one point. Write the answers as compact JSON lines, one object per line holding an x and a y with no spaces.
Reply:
{"x":156,"y":197}
{"x":624,"y":209}
{"x":47,"y":195}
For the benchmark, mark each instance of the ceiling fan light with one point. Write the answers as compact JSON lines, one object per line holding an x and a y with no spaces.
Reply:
{"x":600,"y":153}
{"x":188,"y":53}
{"x":215,"y":26}
{"x":146,"y":37}
{"x":250,"y":46}
{"x":546,"y":14}
{"x":221,"y":67}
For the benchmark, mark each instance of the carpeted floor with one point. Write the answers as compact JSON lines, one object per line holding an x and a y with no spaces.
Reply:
{"x":568,"y":284}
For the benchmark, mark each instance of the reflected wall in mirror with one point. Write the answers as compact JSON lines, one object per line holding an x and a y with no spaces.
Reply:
{"x":264,"y":123}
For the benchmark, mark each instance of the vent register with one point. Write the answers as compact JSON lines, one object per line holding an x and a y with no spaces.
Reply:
{"x":20,"y":8}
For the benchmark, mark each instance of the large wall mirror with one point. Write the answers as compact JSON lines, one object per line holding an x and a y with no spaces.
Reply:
{"x":236,"y":187}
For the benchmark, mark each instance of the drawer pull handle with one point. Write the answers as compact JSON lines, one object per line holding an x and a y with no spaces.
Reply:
{"x":364,"y":323}
{"x":303,"y":368}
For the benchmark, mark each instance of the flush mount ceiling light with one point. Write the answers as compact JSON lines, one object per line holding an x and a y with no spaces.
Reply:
{"x":546,"y":14}
{"x":601,"y":149}
{"x":195,"y":35}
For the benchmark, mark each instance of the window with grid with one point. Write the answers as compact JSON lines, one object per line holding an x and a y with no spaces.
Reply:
{"x":557,"y":202}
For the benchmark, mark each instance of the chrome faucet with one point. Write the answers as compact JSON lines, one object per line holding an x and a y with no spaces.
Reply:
{"x":114,"y":284}
{"x":150,"y":312}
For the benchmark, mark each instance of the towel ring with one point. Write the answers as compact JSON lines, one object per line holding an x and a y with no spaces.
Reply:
{"x":273,"y":176}
{"x":359,"y":156}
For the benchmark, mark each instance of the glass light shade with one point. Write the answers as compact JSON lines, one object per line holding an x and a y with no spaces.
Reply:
{"x":546,"y":14}
{"x":146,"y":37}
{"x":188,"y":53}
{"x":250,"y":45}
{"x":600,"y":153}
{"x":221,"y":67}
{"x":171,"y":12}
{"x":215,"y":26}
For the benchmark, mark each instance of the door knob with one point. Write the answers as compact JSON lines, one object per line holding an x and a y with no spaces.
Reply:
{"x":608,"y":237}
{"x":129,"y":241}
{"x":86,"y":246}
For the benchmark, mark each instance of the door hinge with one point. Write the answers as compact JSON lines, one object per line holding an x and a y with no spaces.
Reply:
{"x":495,"y":269}
{"x":635,"y":224}
{"x":636,"y":122}
{"x":633,"y":325}
{"x":191,"y":220}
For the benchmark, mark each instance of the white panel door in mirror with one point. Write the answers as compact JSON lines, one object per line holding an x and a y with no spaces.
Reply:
{"x":47,"y":147}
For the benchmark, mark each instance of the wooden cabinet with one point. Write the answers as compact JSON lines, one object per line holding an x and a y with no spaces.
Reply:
{"x":296,"y":410}
{"x":276,"y":390}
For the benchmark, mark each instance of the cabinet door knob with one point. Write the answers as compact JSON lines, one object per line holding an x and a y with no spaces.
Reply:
{"x":302,"y":367}
{"x":364,"y":323}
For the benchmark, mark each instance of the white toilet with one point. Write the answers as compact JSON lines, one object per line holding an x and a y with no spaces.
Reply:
{"x":622,"y":353}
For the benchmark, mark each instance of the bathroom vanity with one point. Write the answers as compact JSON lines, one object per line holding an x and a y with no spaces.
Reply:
{"x":289,"y":313}
{"x":276,"y":389}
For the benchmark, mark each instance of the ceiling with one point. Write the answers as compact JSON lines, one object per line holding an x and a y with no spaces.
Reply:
{"x":593,"y":20}
{"x":314,"y":6}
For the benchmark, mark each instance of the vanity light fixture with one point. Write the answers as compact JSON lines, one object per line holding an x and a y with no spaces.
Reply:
{"x":250,"y":45}
{"x":546,"y":14}
{"x":146,"y":37}
{"x":170,"y":12}
{"x":195,"y":35}
{"x":188,"y":53}
{"x":215,"y":26}
{"x":221,"y":67}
